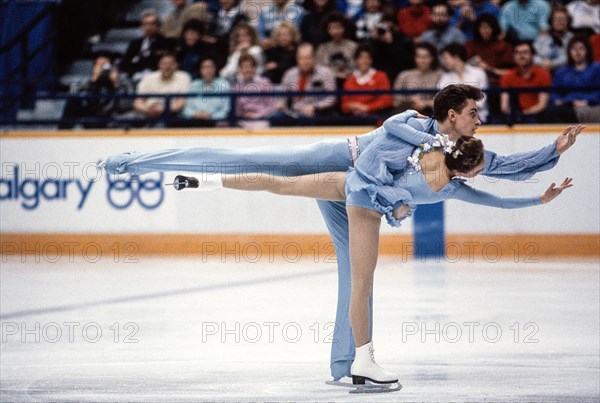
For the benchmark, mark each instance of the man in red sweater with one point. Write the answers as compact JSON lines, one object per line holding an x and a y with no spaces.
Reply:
{"x":526,"y":74}
{"x":366,"y":78}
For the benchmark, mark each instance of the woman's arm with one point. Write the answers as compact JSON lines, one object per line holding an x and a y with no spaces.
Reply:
{"x":470,"y":195}
{"x":397,"y":126}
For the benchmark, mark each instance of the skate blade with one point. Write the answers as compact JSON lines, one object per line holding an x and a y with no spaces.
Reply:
{"x":368,"y":387}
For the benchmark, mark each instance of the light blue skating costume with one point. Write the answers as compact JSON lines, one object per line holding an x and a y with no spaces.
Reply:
{"x":327,"y":156}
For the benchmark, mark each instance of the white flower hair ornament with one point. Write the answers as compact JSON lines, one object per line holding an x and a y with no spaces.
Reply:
{"x":441,"y":142}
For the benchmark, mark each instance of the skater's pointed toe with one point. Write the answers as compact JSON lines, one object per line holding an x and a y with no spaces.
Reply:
{"x":117,"y":164}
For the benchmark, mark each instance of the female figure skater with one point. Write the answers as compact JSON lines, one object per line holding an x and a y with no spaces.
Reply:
{"x":434,"y":174}
{"x":453,"y":115}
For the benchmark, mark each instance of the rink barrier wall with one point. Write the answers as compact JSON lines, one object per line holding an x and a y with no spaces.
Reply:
{"x":185,"y":223}
{"x":262,"y":247}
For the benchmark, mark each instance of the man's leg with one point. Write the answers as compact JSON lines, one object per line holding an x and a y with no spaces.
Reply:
{"x":342,"y":349}
{"x":278,"y":160}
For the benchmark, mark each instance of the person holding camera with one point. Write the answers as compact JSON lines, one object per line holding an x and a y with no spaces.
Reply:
{"x":101,"y":104}
{"x":392,"y":50}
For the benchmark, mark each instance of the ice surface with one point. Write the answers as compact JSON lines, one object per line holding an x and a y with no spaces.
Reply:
{"x":177,"y":329}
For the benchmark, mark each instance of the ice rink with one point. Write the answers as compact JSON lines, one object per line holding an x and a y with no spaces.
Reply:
{"x":180,"y":329}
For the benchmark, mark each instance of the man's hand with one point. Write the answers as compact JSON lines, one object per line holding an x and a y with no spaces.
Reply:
{"x":554,"y":191}
{"x":568,"y":138}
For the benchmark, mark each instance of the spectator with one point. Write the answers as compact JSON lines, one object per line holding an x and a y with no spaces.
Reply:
{"x":142,"y":54}
{"x":253,"y":107}
{"x":585,"y":16}
{"x":279,"y":11}
{"x":168,"y":79}
{"x":426,"y":75}
{"x":306,"y":76}
{"x":524,"y":20}
{"x":442,"y":34}
{"x":282,"y":56}
{"x":487,"y":50}
{"x":222,"y":24}
{"x":105,"y":80}
{"x":466,"y":13}
{"x":173,"y":24}
{"x":190,"y":48}
{"x":551,"y":47}
{"x":338,"y":52}
{"x":368,"y":19}
{"x":415,"y":19}
{"x":525,"y":75}
{"x":365,"y":77}
{"x":580,"y":73}
{"x":393,"y":51}
{"x":203,"y":110}
{"x":454,"y":57}
{"x":312,"y":28}
{"x":244,"y":39}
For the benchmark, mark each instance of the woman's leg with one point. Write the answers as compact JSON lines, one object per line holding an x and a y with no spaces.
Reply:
{"x":323,"y":186}
{"x":364,"y":247}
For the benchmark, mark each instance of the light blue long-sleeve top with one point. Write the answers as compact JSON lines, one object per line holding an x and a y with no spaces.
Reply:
{"x":526,"y":19}
{"x":217,"y":107}
{"x":382,"y":179}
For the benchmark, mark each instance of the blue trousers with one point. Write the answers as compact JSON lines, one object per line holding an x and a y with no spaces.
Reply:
{"x":323,"y":156}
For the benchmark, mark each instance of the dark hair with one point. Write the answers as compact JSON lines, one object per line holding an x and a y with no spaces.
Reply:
{"x":456,"y":49}
{"x":435,"y":63}
{"x":247,"y":57}
{"x":195,"y":25}
{"x":364,"y":48}
{"x":454,"y":96}
{"x":310,"y":6}
{"x":521,"y":43}
{"x":339,"y":18}
{"x":471,"y":155}
{"x":169,"y":54}
{"x":486,"y":18}
{"x":589,"y":57}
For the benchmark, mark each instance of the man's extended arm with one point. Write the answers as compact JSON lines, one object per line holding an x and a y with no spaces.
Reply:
{"x":522,"y":166}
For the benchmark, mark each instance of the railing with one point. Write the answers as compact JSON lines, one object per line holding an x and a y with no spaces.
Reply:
{"x":168,"y":119}
{"x":17,"y":81}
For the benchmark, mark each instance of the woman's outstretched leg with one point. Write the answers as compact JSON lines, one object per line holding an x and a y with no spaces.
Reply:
{"x":323,"y":186}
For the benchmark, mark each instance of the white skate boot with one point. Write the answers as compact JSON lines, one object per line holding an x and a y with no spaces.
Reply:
{"x":370,"y":377}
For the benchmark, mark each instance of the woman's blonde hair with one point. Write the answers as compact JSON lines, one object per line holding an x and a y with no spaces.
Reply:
{"x":290,"y":27}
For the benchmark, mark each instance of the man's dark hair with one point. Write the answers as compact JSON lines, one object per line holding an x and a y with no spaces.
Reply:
{"x":454,"y":96}
{"x":456,"y":50}
{"x":529,"y":44}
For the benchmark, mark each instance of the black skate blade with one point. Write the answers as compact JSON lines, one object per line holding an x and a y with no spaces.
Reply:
{"x":368,"y":387}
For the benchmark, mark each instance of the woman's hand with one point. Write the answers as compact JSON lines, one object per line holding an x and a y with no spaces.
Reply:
{"x":554,"y":190}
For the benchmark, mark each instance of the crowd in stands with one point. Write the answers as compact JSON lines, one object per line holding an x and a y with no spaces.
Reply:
{"x":207,"y":48}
